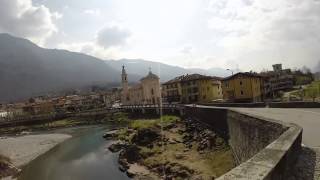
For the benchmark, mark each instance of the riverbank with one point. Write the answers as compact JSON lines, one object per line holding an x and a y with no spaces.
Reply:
{"x":169,"y":148}
{"x":23,"y":149}
{"x":18,"y":150}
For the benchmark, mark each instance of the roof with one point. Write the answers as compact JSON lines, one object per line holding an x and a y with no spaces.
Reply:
{"x":246,"y":74}
{"x":174,"y":80}
{"x":150,"y":76}
{"x":191,"y":77}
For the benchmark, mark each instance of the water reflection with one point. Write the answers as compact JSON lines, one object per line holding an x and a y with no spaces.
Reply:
{"x":83,"y":157}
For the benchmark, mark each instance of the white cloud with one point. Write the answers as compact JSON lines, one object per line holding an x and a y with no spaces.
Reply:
{"x":263,"y":29}
{"x":187,"y":49}
{"x":252,"y":34}
{"x":94,"y":12}
{"x":22,"y":18}
{"x":107,"y":43}
{"x":112,"y":36}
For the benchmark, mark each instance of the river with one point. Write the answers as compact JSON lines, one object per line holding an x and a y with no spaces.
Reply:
{"x":83,"y":157}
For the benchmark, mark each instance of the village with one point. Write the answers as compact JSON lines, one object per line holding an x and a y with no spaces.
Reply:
{"x":242,"y":87}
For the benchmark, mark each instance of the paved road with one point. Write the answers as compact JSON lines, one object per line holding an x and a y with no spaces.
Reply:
{"x":308,"y":119}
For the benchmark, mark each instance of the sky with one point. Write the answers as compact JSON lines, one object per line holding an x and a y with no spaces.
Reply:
{"x":244,"y":34}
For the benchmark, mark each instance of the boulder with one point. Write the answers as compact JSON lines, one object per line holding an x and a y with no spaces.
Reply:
{"x":116,"y":147}
{"x":144,"y":137}
{"x":130,"y":154}
{"x":110,"y":134}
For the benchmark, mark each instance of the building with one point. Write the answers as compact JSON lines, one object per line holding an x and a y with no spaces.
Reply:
{"x":172,"y":90}
{"x":145,"y":92}
{"x":198,"y":88}
{"x":277,"y":80}
{"x":243,"y":87}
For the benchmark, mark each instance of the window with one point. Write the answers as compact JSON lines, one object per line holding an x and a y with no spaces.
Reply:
{"x":227,"y":85}
{"x":240,"y":83}
{"x":241,"y":92}
{"x":152,"y":91}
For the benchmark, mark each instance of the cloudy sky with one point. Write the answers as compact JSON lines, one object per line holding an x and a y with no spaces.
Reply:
{"x":245,"y":34}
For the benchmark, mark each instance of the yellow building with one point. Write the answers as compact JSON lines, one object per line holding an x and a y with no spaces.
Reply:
{"x":210,"y":90}
{"x":198,"y":88}
{"x":243,"y":87}
{"x":172,"y":90}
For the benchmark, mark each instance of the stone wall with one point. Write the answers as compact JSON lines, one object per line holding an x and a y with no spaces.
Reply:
{"x":294,"y":105}
{"x":263,"y":148}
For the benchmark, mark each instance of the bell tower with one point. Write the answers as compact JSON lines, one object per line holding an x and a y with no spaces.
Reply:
{"x":124,"y":79}
{"x":124,"y":82}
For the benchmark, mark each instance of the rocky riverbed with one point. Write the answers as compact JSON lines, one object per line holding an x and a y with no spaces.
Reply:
{"x":171,"y":149}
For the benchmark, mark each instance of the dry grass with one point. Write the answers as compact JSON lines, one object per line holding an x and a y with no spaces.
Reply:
{"x":210,"y":163}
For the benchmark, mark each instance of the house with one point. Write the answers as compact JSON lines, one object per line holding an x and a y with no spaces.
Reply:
{"x":198,"y":88}
{"x":172,"y":90}
{"x":277,"y":80}
{"x":243,"y":87}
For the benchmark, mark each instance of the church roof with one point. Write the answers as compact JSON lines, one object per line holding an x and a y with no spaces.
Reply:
{"x":150,"y":76}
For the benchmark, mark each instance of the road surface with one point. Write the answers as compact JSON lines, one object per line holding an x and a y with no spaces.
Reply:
{"x":308,"y":119}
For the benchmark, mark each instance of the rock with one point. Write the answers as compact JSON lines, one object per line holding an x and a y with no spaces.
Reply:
{"x":144,"y":137}
{"x":131,"y":154}
{"x":178,"y":171}
{"x":110,"y":134}
{"x":25,"y":133}
{"x":172,"y":141}
{"x":179,"y":156}
{"x":122,"y":169}
{"x":130,"y":174}
{"x":123,"y":163}
{"x":170,"y":126}
{"x":116,"y":147}
{"x":150,"y":146}
{"x":189,"y":146}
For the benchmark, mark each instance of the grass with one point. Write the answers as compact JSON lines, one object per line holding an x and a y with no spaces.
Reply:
{"x":210,"y":163}
{"x":309,"y":93}
{"x":150,"y":123}
{"x":118,"y":117}
{"x":312,"y":91}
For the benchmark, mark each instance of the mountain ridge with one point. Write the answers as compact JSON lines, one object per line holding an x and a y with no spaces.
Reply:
{"x":28,"y":70}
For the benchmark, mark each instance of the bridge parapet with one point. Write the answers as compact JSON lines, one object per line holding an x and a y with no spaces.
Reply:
{"x":263,"y":148}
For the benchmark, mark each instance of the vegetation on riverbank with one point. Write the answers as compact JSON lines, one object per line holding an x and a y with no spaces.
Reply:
{"x":118,"y":117}
{"x":170,"y":148}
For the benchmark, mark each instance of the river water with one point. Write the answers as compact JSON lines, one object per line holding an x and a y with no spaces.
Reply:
{"x":83,"y":157}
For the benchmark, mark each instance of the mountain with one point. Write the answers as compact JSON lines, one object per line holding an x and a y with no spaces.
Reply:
{"x":27,"y":69}
{"x":165,"y":72}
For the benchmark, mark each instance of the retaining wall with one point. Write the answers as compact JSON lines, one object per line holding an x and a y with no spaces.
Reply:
{"x":263,"y":148}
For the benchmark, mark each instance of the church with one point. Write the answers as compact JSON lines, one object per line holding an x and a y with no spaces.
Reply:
{"x":145,"y":92}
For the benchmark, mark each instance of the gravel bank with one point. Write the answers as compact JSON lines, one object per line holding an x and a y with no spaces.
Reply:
{"x":23,"y":149}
